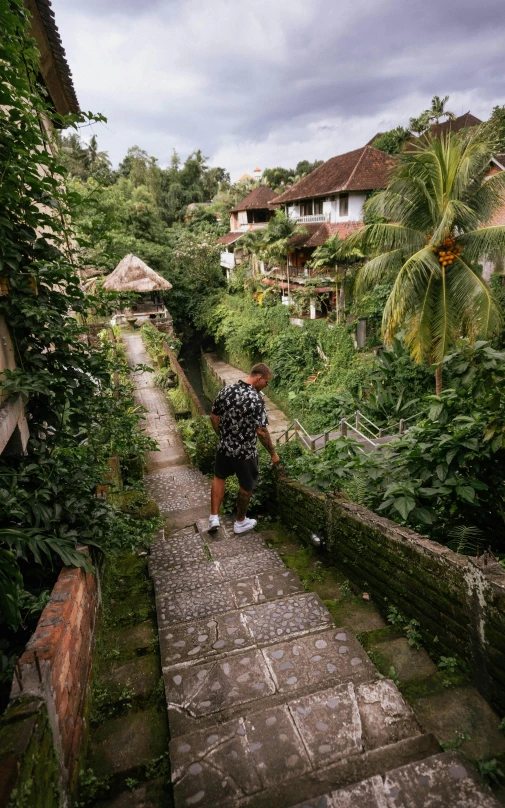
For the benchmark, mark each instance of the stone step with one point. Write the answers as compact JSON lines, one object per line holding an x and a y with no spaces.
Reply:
{"x":440,"y":781}
{"x":252,"y":755}
{"x":228,"y":685}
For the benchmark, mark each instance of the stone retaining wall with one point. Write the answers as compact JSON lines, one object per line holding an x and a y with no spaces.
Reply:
{"x":211,"y":382}
{"x":458,"y":601}
{"x":56,"y":665}
{"x":191,"y":397}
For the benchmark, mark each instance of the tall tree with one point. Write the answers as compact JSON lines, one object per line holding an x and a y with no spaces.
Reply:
{"x":438,"y":110}
{"x":433,"y":235}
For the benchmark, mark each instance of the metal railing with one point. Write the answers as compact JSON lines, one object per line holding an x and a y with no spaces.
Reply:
{"x":314,"y":218}
{"x":375,"y":438}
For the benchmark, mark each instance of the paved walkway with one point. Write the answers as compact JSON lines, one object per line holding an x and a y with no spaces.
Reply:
{"x":271,"y":705}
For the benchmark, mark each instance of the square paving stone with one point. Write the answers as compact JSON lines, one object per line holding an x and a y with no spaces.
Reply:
{"x":266,"y":586}
{"x":176,"y":553}
{"x":194,"y":604}
{"x":201,"y":690}
{"x":212,"y":767}
{"x":193,"y":641}
{"x":237,"y":547}
{"x":276,"y":746}
{"x":440,"y":781}
{"x":224,"y":532}
{"x":385,"y":716}
{"x":367,"y":794}
{"x":327,"y":657}
{"x":182,"y":578}
{"x":329,"y":723}
{"x":245,"y":565}
{"x":279,"y":584}
{"x":271,"y":621}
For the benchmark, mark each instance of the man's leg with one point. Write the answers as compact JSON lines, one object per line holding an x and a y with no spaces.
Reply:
{"x":217,"y":495}
{"x":242,"y":503}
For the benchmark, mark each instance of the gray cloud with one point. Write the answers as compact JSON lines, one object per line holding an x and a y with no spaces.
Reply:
{"x":276,"y":78}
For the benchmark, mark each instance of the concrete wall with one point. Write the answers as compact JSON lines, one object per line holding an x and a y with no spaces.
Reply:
{"x":458,"y":601}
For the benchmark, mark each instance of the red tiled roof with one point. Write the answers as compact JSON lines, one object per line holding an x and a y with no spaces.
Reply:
{"x":365,"y":169}
{"x":327,"y":229}
{"x":230,"y":237}
{"x":317,"y":234}
{"x":259,"y":198}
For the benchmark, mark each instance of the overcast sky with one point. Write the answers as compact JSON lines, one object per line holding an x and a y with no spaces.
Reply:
{"x":272,"y":82}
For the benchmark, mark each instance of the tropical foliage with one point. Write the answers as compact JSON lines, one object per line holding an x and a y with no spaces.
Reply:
{"x":78,"y":416}
{"x":432,"y":236}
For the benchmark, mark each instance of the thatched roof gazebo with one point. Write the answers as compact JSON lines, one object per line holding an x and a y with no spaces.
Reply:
{"x":133,"y":275}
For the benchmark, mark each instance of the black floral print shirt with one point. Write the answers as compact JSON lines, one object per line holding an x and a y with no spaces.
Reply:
{"x":241,"y":411}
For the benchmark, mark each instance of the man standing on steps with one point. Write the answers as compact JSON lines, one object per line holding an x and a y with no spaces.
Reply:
{"x":238,"y":416}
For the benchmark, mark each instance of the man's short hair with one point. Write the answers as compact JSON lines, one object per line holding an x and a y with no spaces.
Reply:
{"x":261,"y":370}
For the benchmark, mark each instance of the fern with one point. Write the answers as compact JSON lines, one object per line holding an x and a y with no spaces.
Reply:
{"x":466,"y":539}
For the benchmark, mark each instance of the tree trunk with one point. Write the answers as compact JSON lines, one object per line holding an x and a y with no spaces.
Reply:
{"x":438,"y":380}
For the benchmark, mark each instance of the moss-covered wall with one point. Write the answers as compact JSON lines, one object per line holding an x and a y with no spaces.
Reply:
{"x":210,"y":382}
{"x":190,"y":396}
{"x":459,"y":602}
{"x":28,"y":766}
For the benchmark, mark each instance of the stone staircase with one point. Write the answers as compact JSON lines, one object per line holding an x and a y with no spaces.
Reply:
{"x":269,"y":703}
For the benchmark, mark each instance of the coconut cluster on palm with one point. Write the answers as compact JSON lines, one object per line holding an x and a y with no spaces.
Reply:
{"x":430,"y":234}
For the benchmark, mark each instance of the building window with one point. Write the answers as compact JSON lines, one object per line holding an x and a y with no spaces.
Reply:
{"x":318,"y":206}
{"x":343,"y":205}
{"x":306,"y":208}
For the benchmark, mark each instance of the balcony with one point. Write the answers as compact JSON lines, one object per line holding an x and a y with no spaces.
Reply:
{"x":317,"y":218}
{"x":228,"y":260}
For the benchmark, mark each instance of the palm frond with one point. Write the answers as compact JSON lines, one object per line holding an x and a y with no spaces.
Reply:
{"x":485,"y":243}
{"x":383,"y":237}
{"x":409,"y":290}
{"x":377,"y":269}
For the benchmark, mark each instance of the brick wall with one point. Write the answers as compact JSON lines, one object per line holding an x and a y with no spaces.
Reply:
{"x":56,"y":664}
{"x":460,"y":601}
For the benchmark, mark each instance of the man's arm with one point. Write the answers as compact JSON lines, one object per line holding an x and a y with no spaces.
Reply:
{"x":214,"y":419}
{"x":264,"y":436}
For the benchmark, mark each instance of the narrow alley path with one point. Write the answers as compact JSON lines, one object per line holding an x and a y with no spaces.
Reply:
{"x":269,"y":703}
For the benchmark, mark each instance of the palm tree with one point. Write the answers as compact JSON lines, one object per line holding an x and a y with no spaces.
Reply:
{"x":432,"y":235}
{"x":438,"y":110}
{"x":329,"y":255}
{"x":277,"y":237}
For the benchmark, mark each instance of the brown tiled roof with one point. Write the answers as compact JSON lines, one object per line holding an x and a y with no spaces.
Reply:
{"x":365,"y":169}
{"x":459,"y":123}
{"x":43,"y":16}
{"x":327,"y":229}
{"x":316,"y":234}
{"x":374,"y":138}
{"x":258,"y":199}
{"x":500,"y":158}
{"x":230,"y":237}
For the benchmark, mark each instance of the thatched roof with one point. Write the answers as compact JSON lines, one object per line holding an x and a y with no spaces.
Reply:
{"x":133,"y":275}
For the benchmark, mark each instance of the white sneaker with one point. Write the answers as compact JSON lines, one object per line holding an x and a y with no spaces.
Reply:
{"x":214,"y":524}
{"x":242,"y":527}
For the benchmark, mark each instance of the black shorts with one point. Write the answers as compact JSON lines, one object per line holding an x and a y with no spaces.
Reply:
{"x":246,"y":470}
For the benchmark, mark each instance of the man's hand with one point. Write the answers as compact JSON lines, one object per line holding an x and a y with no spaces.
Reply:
{"x":266,"y":440}
{"x":275,"y":458}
